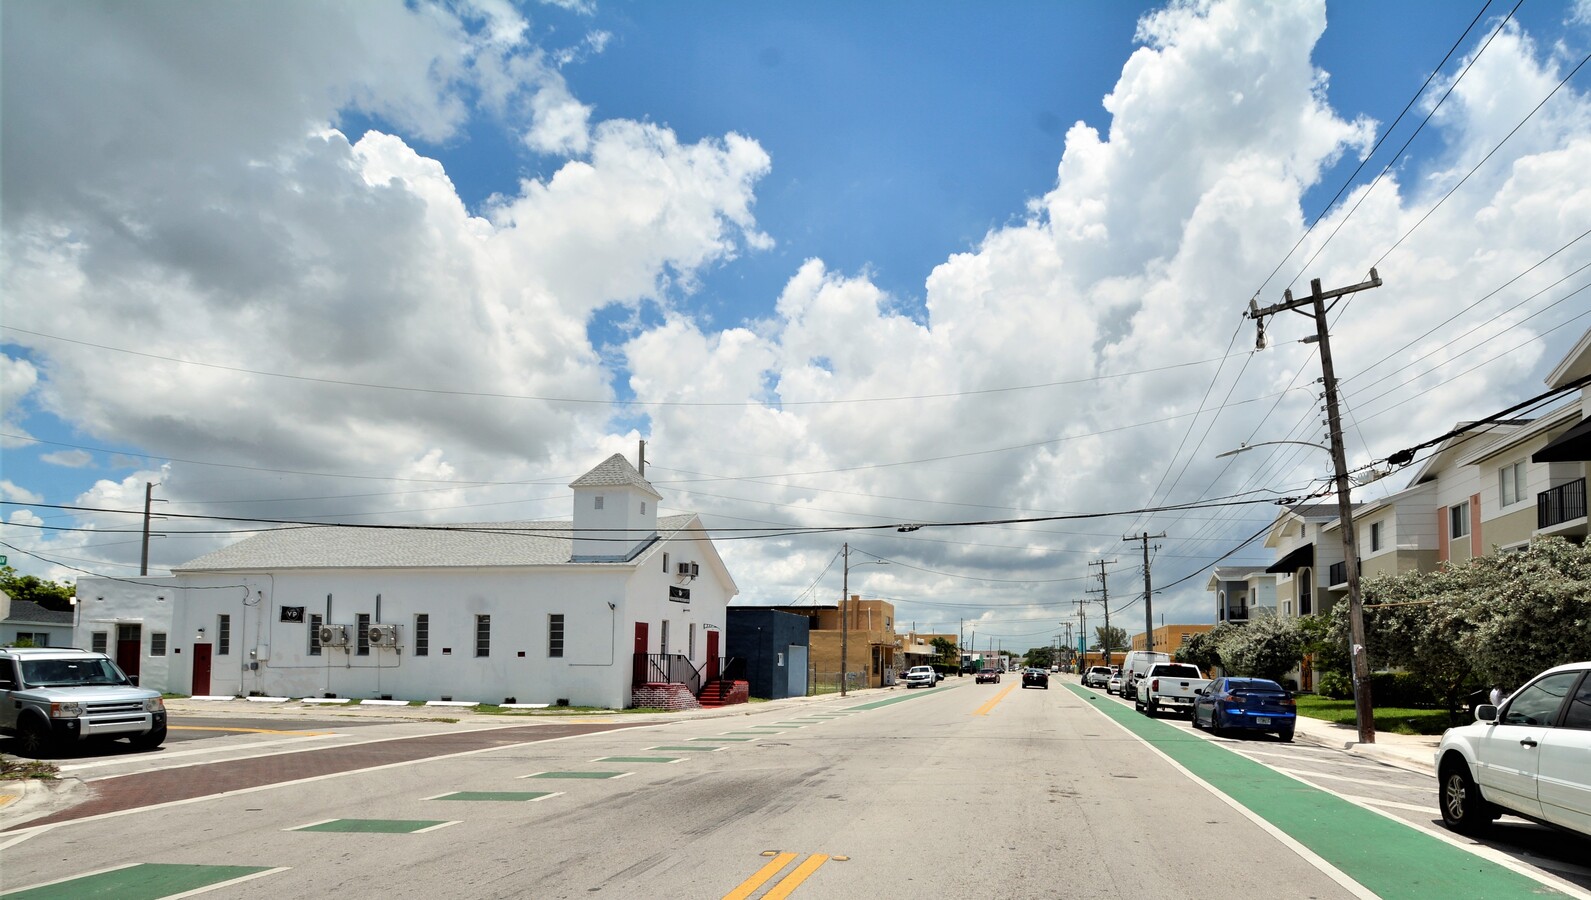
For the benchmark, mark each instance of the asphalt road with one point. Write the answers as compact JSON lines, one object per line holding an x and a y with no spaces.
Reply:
{"x":964,"y":790}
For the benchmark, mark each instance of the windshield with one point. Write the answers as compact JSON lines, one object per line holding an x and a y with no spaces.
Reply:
{"x":68,"y":672}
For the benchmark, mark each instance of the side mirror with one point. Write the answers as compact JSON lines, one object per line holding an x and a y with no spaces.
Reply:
{"x":1486,"y":713}
{"x":132,"y":680}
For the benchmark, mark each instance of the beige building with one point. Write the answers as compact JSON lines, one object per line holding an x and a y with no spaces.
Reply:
{"x":1169,"y":637}
{"x":868,"y":642}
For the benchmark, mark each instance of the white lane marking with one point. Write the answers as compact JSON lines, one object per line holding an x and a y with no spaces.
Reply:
{"x":1347,"y":765}
{"x":1301,"y":774}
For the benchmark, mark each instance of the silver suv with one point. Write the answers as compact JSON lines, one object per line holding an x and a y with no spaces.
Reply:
{"x":51,"y":697}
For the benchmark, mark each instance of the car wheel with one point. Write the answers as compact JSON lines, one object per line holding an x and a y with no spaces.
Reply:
{"x":34,"y":738}
{"x":1151,"y":708}
{"x":1138,"y":705}
{"x":1286,"y":735}
{"x":1193,"y":719}
{"x":1215,"y":723}
{"x":1463,"y":808}
{"x":150,"y":741}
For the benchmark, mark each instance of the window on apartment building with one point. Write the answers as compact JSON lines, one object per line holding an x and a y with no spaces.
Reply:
{"x":598,"y":504}
{"x":314,"y":633}
{"x":1375,"y":536}
{"x":223,"y":635}
{"x":483,"y":635}
{"x":555,"y":635}
{"x":665,"y":562}
{"x":1511,"y":483}
{"x":33,"y":639}
{"x":1306,"y":585}
{"x":98,"y":641}
{"x":157,"y":643}
{"x":422,"y":634}
{"x":362,"y":648}
{"x":1458,"y":520}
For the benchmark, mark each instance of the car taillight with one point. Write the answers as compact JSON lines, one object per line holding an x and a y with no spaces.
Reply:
{"x":1154,"y":685}
{"x":1288,"y":701}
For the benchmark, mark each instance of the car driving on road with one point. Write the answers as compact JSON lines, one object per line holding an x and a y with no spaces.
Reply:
{"x":1036,"y":678}
{"x":988,"y":676}
{"x":921,"y":676}
{"x":1526,"y":756}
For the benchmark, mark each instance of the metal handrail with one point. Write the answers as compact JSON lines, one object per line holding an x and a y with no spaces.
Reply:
{"x":1563,"y":503}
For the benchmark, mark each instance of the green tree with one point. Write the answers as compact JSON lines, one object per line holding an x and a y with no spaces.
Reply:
{"x":1039,"y":657}
{"x":1110,"y":639}
{"x":1202,"y":649}
{"x":47,"y":594}
{"x":946,"y":648}
{"x":1269,"y":646}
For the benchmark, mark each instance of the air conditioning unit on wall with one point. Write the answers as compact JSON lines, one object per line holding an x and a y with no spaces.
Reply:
{"x":689,"y":570}
{"x":384,"y":635}
{"x":334,"y":635}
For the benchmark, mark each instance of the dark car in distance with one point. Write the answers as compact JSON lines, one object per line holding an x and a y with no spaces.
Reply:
{"x":1246,"y":704}
{"x":990,"y":676}
{"x":1035,"y":678}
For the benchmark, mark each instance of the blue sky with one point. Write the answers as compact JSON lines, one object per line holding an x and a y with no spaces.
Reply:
{"x":793,"y":212}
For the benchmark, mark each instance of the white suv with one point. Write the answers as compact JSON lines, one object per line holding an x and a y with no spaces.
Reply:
{"x":921,"y":676}
{"x":52,"y":697}
{"x":1527,"y":756}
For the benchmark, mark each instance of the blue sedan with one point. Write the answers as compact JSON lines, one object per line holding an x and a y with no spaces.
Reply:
{"x":1247,"y":704}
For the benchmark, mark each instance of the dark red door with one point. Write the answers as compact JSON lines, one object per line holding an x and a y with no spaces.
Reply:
{"x":129,"y":648}
{"x":712,"y":655}
{"x":201,"y":670}
{"x":640,"y":653}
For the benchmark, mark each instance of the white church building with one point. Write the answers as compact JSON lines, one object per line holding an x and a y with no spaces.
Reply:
{"x":582,"y":612}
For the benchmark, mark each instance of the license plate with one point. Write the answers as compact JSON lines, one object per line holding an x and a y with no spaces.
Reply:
{"x":1262,"y":720}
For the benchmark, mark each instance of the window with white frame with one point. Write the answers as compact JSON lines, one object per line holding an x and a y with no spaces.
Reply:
{"x":157,"y":643}
{"x":98,"y":641}
{"x":598,"y":504}
{"x":555,"y":635}
{"x":422,"y":634}
{"x":1458,"y":520}
{"x":1375,"y":536}
{"x":223,"y":635}
{"x":1511,"y":483}
{"x":315,"y":621}
{"x":362,"y":645}
{"x":483,"y":635}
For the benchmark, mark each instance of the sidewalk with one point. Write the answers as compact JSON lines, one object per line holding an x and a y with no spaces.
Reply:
{"x":1414,"y":752}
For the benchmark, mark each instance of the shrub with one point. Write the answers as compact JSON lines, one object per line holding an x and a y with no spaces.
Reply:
{"x":1334,"y":685}
{"x":1402,"y":689}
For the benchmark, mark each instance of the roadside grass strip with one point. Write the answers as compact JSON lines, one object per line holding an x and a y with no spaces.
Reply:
{"x":375,"y":826}
{"x":639,"y":759}
{"x":143,"y":881}
{"x":498,"y":796}
{"x":1389,"y":858}
{"x":594,"y":776}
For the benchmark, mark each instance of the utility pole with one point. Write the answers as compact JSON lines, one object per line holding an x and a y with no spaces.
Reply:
{"x":1364,"y":710}
{"x":143,"y":559}
{"x":1082,"y":635}
{"x":1149,"y":616}
{"x":1104,"y":591}
{"x":845,"y":621}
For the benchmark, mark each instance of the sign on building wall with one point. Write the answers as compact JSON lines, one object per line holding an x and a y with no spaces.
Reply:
{"x":679,"y":594}
{"x":292,"y":614}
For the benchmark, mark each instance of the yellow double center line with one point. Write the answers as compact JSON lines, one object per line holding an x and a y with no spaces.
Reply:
{"x":995,"y":700}
{"x":786,"y":884}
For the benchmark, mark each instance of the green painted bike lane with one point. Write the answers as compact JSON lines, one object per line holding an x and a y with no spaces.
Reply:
{"x":1389,"y":858}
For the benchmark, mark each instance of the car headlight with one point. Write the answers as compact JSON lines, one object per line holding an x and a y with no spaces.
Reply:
{"x":65,"y":710}
{"x":154,"y":704}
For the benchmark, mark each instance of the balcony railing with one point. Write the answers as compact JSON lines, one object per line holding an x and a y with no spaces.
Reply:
{"x":1238,"y":613}
{"x":1564,"y":503}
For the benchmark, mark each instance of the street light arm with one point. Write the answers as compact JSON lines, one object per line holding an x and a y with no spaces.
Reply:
{"x":1242,"y":448}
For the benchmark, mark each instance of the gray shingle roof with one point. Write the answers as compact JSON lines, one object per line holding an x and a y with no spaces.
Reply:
{"x":28,"y":612}
{"x":615,"y":471}
{"x":471,"y":545}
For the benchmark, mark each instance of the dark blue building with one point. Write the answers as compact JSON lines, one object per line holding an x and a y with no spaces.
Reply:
{"x":772,"y":645}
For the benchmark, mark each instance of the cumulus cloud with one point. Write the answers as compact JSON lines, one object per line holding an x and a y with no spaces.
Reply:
{"x":11,"y":492}
{"x":71,"y":459}
{"x":313,"y":301}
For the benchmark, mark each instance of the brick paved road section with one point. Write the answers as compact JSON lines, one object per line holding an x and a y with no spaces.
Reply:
{"x":125,"y":792}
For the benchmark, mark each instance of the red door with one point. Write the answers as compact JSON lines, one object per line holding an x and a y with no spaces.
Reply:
{"x":201,"y":670}
{"x":129,"y":648}
{"x":640,"y":653}
{"x":712,"y":655}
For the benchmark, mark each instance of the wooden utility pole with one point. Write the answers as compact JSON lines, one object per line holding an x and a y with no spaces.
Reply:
{"x":143,"y":558}
{"x":1104,"y":592}
{"x":1364,"y":710}
{"x":1149,"y":616}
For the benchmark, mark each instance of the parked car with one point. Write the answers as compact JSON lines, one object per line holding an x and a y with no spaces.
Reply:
{"x":1135,"y":666}
{"x":1096,"y":676}
{"x":990,"y":676}
{"x":1113,"y":685}
{"x":1169,"y":685}
{"x":1035,"y":678}
{"x":1526,"y":757}
{"x":1247,"y":704}
{"x":54,"y":696}
{"x":921,"y":676}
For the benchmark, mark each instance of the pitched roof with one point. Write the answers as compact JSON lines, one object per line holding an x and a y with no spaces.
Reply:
{"x":31,"y":613}
{"x":469,"y":545}
{"x":615,"y":471}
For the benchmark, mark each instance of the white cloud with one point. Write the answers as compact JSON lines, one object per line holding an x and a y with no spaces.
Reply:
{"x":71,"y":459}
{"x":18,"y":377}
{"x":16,"y":494}
{"x":268,"y":240}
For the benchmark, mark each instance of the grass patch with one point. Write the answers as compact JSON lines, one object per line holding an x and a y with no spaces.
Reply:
{"x":1391,"y":718}
{"x":22,"y":769}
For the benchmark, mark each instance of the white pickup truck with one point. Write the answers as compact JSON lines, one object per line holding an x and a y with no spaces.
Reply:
{"x":1169,"y":684}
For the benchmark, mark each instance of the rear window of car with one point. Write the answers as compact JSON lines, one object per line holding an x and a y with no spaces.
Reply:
{"x":1255,"y":686}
